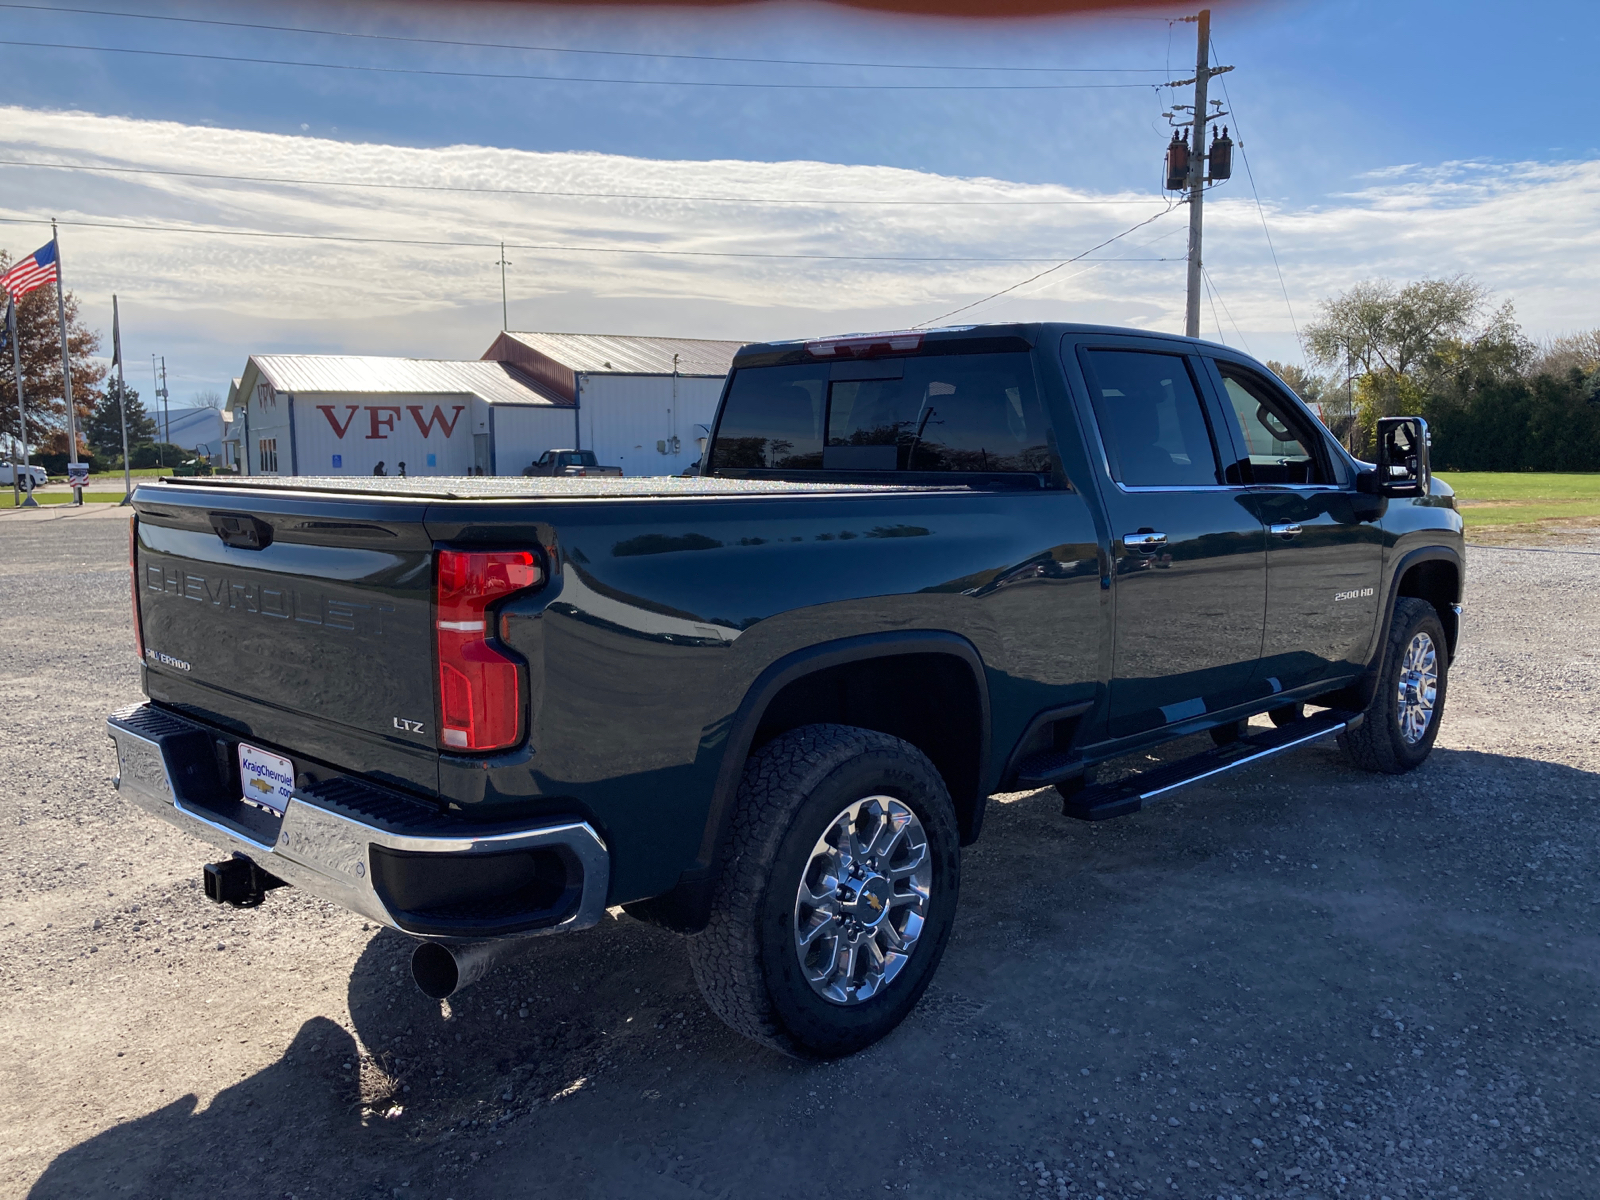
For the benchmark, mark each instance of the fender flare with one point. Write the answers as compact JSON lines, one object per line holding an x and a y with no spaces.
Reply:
{"x":1359,"y":694}
{"x":687,"y":906}
{"x":1411,"y":559}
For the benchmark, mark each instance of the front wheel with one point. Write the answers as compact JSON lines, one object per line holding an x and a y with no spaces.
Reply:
{"x":1403,"y":719}
{"x":837,"y":893}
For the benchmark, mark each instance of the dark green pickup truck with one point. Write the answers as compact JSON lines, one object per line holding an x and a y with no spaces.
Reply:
{"x":765,"y":706}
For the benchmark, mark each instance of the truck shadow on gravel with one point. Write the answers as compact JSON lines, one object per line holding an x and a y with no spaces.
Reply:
{"x":1274,"y":917}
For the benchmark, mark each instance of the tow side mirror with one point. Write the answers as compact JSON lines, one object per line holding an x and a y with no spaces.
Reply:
{"x":1403,"y":457}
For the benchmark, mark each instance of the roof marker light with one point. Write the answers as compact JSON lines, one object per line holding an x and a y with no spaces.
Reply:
{"x":865,"y":345}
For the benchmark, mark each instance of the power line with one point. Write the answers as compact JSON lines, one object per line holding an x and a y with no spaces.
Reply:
{"x":429,"y":187}
{"x":692,"y":83}
{"x":1216,"y":320}
{"x":1260,"y":211}
{"x":1216,"y":294}
{"x":1050,"y":270}
{"x":421,"y":41}
{"x":1096,"y":263}
{"x":553,"y":248}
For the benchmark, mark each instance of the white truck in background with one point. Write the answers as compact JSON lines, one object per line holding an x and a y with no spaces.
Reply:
{"x":28,"y":476}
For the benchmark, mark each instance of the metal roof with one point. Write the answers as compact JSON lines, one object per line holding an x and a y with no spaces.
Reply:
{"x":601,"y":353}
{"x":495,"y":382}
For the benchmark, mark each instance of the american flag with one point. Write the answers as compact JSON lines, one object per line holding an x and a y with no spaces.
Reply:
{"x":38,"y":269}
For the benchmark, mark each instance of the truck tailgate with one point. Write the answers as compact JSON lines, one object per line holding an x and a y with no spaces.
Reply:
{"x":300,"y":622}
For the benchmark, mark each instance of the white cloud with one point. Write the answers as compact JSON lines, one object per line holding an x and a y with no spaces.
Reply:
{"x":1529,"y":231}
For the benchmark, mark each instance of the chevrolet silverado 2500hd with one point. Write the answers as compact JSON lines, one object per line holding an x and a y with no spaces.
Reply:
{"x":765,"y":706}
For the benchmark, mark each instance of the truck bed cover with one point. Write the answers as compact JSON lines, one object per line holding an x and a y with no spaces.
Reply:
{"x":491,"y":487}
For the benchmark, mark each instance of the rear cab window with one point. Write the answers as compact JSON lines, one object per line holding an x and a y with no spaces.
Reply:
{"x":947,"y":414}
{"x":1152,"y":422}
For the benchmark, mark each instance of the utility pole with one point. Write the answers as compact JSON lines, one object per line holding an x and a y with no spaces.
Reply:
{"x":166,"y":411}
{"x":155,"y":394}
{"x":1197,"y":173}
{"x":1191,"y":167}
{"x":122,"y":400}
{"x":505,"y":322}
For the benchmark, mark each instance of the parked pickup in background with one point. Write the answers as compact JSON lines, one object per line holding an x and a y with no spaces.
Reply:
{"x":765,"y":706}
{"x":578,"y":463}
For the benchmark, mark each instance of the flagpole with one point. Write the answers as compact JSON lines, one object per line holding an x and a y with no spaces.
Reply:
{"x":122,"y":399}
{"x":22,"y":412}
{"x":66,"y":364}
{"x":11,"y":335}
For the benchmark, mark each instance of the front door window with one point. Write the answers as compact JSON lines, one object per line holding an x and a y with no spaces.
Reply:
{"x":1324,"y":545}
{"x":1280,"y":448}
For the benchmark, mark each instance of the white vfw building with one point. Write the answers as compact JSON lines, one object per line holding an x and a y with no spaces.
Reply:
{"x":644,"y":404}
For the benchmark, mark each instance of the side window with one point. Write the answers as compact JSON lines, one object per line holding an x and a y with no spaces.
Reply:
{"x":1282,"y":449}
{"x":1151,"y":420}
{"x":773,"y":419}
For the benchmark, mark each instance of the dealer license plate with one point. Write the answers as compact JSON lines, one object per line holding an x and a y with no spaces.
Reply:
{"x":267,"y":779}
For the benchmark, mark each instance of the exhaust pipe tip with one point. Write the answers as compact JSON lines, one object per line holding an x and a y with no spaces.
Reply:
{"x":435,"y":971}
{"x":441,"y":969}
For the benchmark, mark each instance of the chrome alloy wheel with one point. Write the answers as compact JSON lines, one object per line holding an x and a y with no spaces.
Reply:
{"x":862,"y":900}
{"x":1418,"y":688}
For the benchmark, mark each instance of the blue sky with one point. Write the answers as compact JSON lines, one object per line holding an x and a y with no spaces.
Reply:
{"x":1332,"y":99}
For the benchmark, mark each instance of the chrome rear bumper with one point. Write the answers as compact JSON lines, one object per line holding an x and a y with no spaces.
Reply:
{"x":167,"y":767}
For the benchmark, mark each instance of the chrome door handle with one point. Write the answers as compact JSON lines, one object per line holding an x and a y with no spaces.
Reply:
{"x":1286,"y":530}
{"x":1144,"y":540}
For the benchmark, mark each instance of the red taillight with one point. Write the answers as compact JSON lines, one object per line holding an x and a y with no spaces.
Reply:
{"x":865,"y":345}
{"x":133,"y":579}
{"x":480,"y":694}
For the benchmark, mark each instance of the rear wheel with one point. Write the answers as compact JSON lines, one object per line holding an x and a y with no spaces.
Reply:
{"x":1403,"y":719}
{"x":837,"y":894}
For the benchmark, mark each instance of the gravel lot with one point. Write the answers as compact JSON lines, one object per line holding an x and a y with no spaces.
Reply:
{"x":1302,"y":981}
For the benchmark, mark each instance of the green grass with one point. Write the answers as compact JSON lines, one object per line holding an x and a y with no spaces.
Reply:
{"x":1530,"y":486}
{"x":1494,"y":498}
{"x":45,"y":498}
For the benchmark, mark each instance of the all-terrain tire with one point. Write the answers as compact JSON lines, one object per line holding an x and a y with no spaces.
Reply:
{"x":745,"y":960}
{"x":1379,"y":743}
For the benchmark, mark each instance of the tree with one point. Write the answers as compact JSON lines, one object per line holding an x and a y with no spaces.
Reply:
{"x":39,"y":339}
{"x":1302,"y":382}
{"x":1319,"y":393}
{"x":1562,"y":355}
{"x":210,"y":398}
{"x":103,"y":429}
{"x":1457,"y":367}
{"x":1386,"y":336}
